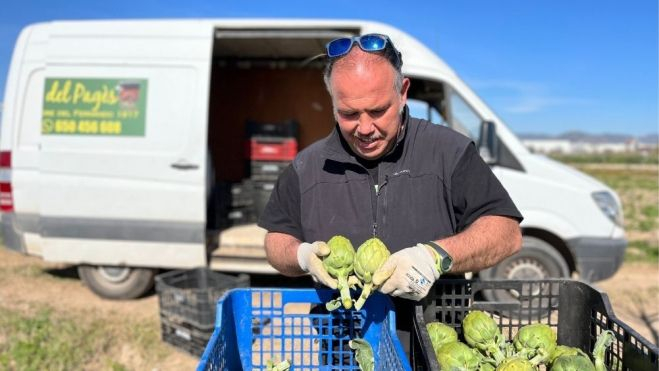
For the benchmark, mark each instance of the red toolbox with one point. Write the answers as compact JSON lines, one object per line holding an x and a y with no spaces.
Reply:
{"x":271,"y":149}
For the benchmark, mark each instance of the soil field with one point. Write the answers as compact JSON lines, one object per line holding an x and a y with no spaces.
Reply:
{"x":124,"y":335}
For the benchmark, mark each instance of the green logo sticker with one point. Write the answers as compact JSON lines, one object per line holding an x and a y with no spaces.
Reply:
{"x":94,"y":107}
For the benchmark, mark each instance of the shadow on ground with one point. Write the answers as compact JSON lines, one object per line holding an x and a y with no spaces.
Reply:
{"x":68,"y":272}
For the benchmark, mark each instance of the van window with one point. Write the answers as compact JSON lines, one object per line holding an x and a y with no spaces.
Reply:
{"x":423,"y":110}
{"x":464,"y":118}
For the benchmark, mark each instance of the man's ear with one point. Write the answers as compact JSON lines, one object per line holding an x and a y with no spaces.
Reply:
{"x":403,"y":93}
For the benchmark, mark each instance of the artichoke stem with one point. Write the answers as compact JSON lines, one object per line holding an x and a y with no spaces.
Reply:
{"x":366,"y":292}
{"x":497,"y":354}
{"x":344,"y":289}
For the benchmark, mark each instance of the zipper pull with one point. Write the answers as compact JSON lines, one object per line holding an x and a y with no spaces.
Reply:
{"x":375,"y":228}
{"x":379,"y":188}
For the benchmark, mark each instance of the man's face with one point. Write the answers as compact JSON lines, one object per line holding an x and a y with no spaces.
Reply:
{"x":366,"y":105}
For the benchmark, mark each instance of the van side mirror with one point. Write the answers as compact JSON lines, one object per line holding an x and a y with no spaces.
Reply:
{"x":488,"y":143}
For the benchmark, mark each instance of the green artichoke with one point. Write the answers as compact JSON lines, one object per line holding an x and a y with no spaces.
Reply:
{"x":604,"y":340}
{"x":284,"y":365}
{"x":535,"y":342}
{"x":563,"y":350}
{"x":441,"y":334}
{"x":482,"y":332}
{"x":363,"y":354}
{"x":339,"y":264}
{"x":370,"y":256}
{"x":516,"y":364}
{"x":572,"y":362}
{"x":458,"y":356}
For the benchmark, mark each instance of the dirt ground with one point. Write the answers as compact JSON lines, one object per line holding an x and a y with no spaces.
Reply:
{"x":633,"y":292}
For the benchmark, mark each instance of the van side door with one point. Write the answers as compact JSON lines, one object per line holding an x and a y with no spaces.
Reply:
{"x":123,"y":143}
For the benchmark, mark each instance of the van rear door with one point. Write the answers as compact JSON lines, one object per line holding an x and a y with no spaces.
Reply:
{"x":123,"y":143}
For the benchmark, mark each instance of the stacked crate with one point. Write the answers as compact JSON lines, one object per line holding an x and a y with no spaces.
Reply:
{"x":237,"y":203}
{"x":187,"y":300}
{"x":270,"y":148}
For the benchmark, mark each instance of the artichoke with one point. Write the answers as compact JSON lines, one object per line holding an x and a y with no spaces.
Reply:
{"x":370,"y":256}
{"x":457,"y":356}
{"x":516,"y":364}
{"x":284,"y":365}
{"x":339,"y":264}
{"x":483,"y":333}
{"x":563,"y":350}
{"x":572,"y":362}
{"x":363,"y":354}
{"x":535,"y":342}
{"x":441,"y":334}
{"x":604,"y":340}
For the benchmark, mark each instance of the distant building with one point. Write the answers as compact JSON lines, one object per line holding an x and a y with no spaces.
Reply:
{"x":564,"y":146}
{"x":548,"y":145}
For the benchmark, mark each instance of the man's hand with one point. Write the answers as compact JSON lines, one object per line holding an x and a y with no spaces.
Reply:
{"x":309,"y":258}
{"x":414,"y":273}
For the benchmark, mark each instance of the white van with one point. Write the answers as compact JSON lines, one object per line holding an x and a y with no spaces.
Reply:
{"x":110,"y":129}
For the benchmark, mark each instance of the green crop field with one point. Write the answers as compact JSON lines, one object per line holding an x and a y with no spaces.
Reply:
{"x":637,"y":184}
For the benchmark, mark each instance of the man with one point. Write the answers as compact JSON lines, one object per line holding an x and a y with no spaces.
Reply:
{"x":421,"y":188}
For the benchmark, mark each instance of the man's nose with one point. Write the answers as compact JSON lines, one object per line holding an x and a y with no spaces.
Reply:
{"x":366,"y":126}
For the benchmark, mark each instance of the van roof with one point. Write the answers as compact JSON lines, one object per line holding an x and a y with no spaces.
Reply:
{"x":419,"y":60}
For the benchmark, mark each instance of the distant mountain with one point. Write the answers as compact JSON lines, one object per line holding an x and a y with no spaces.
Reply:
{"x":579,"y":136}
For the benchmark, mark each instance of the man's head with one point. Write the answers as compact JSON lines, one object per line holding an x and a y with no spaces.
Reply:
{"x":368,"y":92}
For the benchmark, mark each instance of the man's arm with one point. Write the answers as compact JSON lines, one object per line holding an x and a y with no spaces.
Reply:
{"x":487,"y":241}
{"x":281,"y":251}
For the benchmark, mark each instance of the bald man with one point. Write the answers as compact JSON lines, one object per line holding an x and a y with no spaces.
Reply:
{"x":421,"y":188}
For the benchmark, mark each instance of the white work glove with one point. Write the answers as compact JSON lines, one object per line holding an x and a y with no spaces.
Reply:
{"x":309,"y":257}
{"x":414,"y":273}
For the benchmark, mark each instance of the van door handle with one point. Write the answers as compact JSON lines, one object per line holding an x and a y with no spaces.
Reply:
{"x":183,"y":165}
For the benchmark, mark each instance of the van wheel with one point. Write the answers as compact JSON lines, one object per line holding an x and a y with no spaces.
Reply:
{"x":117,"y":282}
{"x":536,"y":260}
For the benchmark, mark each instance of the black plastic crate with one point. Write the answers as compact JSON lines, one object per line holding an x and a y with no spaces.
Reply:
{"x":267,"y":170}
{"x":235,"y":194}
{"x":575,"y":310}
{"x":189,"y":296}
{"x":241,"y":215}
{"x":262,"y":191}
{"x":226,"y":196}
{"x":284,"y":129}
{"x":185,"y":336}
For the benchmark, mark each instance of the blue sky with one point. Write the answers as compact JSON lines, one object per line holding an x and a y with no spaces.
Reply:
{"x":545,"y":66}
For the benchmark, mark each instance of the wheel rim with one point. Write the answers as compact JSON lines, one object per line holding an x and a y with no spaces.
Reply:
{"x":525,"y":269}
{"x":114,"y":274}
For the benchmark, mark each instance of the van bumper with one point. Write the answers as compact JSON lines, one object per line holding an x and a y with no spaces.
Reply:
{"x":11,"y":234}
{"x":597,"y":258}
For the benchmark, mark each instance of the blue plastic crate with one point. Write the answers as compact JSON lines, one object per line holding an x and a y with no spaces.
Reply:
{"x":256,"y":325}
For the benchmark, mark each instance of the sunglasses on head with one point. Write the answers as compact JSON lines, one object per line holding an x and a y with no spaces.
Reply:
{"x":372,"y":42}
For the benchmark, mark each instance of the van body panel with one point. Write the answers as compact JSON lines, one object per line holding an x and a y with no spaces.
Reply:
{"x":105,"y":186}
{"x":552,"y":191}
{"x":597,"y":258}
{"x":124,"y":253}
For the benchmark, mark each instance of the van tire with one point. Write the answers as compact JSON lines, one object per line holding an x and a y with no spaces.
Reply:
{"x":117,"y":283}
{"x":536,"y":260}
